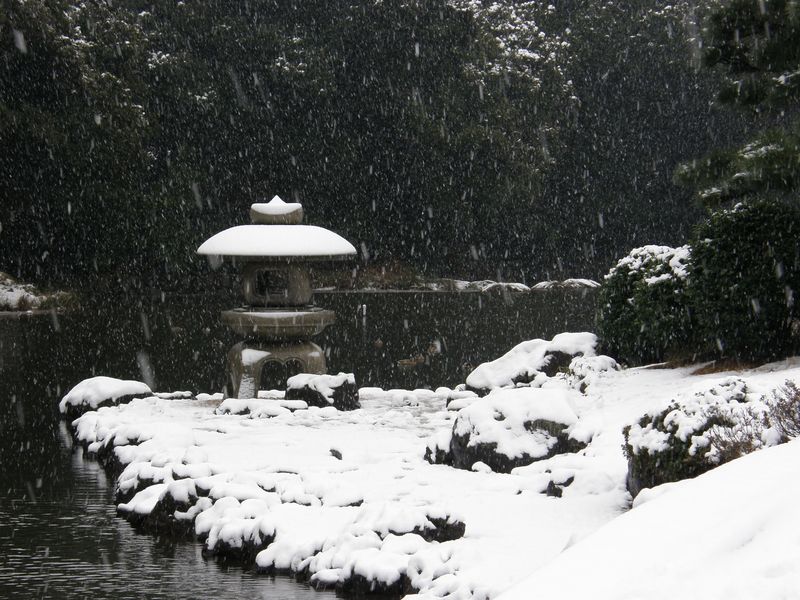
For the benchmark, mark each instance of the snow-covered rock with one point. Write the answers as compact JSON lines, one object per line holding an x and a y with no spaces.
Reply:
{"x":238,"y":530}
{"x":508,"y":429}
{"x":259,"y":408}
{"x":575,"y":283}
{"x":483,"y":285}
{"x":92,"y":393}
{"x":531,"y":361}
{"x":497,"y":286}
{"x":339,"y":391}
{"x":16,"y":296}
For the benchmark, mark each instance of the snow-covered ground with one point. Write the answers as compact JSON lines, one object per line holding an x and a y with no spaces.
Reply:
{"x":730,"y":533}
{"x":346,"y":496}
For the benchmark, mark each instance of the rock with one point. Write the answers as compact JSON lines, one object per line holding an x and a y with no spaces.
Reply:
{"x":508,"y":429}
{"x":126,"y":489}
{"x":339,"y":391}
{"x":105,"y":452}
{"x":242,"y":550}
{"x":555,"y":362}
{"x":438,"y":449}
{"x":553,"y":490}
{"x":234,"y":530}
{"x":429,"y":522}
{"x":172,"y":514}
{"x":556,"y":490}
{"x":96,"y":392}
{"x":531,"y":362}
{"x":444,"y":529}
{"x":259,"y":408}
{"x":358,"y":586}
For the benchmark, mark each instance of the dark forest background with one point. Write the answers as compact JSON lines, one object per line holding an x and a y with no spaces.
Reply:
{"x":514,"y":140}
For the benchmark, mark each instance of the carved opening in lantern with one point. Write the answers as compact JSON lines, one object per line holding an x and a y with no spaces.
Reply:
{"x":276,"y":286}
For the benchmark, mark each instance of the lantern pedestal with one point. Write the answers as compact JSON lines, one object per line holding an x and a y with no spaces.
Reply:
{"x":254,"y":365}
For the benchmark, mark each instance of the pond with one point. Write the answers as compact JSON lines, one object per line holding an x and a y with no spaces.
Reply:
{"x":59,"y":536}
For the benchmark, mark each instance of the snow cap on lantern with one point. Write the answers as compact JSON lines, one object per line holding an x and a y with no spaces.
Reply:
{"x":276,"y":235}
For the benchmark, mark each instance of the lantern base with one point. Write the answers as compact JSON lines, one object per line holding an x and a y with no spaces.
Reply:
{"x":254,"y":365}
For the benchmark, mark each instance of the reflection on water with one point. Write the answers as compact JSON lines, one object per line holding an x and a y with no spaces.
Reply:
{"x":65,"y":541}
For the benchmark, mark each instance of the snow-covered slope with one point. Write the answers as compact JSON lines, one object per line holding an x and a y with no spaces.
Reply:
{"x":731,"y":533}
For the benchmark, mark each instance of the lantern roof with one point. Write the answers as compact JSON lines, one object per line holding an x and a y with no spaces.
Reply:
{"x":276,"y":235}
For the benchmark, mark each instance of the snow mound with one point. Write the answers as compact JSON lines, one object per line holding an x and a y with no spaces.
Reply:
{"x":484,"y":285}
{"x":525,"y":361}
{"x":504,"y":418}
{"x":432,"y":522}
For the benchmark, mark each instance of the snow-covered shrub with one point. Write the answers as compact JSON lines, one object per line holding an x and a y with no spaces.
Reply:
{"x":643,"y":311}
{"x":697,"y":433}
{"x":745,"y":278}
{"x":583,"y":371}
{"x":784,"y":411}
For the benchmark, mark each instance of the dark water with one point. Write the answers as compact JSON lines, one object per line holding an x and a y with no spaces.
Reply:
{"x":452,"y":332}
{"x":59,"y":536}
{"x":64,"y":541}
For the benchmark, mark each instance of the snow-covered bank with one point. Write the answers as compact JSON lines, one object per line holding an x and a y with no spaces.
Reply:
{"x":347,"y":499}
{"x":16,"y":296}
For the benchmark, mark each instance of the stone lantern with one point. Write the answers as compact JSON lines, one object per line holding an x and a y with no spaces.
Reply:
{"x":279,"y":318}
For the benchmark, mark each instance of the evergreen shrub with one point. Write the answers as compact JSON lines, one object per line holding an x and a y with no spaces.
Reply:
{"x":643,"y":307}
{"x":744,"y":280}
{"x":698,"y":432}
